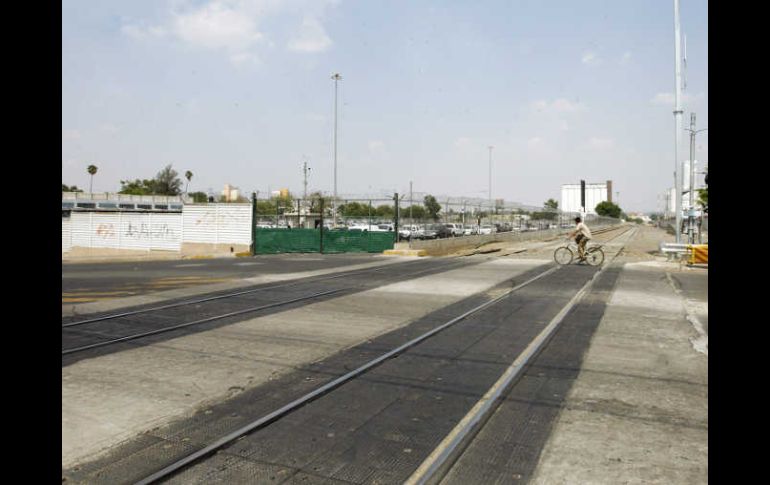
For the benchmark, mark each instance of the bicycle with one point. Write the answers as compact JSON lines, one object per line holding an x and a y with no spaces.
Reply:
{"x":564,"y":255}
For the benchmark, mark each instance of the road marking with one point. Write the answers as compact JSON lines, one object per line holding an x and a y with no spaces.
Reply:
{"x":247,"y":264}
{"x":190,"y":265}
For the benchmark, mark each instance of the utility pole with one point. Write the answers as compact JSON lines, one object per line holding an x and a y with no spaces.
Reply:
{"x":490,"y":176}
{"x":305,"y":170}
{"x":411,"y":203}
{"x":336,"y":78}
{"x":677,"y":123}
{"x":691,"y":213}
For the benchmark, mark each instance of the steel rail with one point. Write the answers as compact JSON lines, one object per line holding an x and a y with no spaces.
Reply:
{"x":228,"y":295}
{"x":451,"y":265}
{"x":196,"y":322}
{"x":273,"y":416}
{"x":434,"y":468}
{"x":245,"y":292}
{"x":303,"y":400}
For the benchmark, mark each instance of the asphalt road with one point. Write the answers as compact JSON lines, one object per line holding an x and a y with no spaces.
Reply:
{"x":82,"y":283}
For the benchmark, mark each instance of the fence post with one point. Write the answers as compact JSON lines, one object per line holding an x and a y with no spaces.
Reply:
{"x":321,"y":250}
{"x":253,"y":247}
{"x":395,"y":215}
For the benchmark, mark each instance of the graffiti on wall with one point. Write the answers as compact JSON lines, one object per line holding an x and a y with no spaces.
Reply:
{"x":105,"y":231}
{"x":145,"y":231}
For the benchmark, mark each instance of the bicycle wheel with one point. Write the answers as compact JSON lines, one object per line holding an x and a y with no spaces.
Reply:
{"x":595,"y":257}
{"x":563,"y":255}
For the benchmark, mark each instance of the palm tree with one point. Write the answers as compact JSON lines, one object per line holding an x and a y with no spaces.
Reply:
{"x":188,"y":175}
{"x":92,"y":170}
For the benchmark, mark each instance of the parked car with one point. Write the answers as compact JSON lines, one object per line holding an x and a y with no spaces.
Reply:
{"x":427,"y":232}
{"x":487,"y":229}
{"x":408,"y":231}
{"x":442,"y":231}
{"x":361,"y":227}
{"x":455,"y":229}
{"x":470,"y":230}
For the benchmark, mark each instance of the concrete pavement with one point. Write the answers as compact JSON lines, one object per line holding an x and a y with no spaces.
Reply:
{"x":638,"y":411}
{"x":111,"y":398}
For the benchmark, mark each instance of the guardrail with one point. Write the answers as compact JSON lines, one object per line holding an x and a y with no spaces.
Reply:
{"x":674,"y":248}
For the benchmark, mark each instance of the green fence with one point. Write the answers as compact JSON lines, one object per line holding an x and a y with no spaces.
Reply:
{"x":273,"y":241}
{"x":343,"y":241}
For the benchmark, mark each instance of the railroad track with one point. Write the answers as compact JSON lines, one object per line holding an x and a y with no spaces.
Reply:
{"x":438,"y":463}
{"x":122,"y":327}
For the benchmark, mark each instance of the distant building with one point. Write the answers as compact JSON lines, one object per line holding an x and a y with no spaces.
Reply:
{"x":595,"y":194}
{"x":282,"y":193}
{"x":700,"y":183}
{"x":230,"y":193}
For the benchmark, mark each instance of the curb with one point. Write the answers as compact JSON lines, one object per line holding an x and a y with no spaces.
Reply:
{"x":405,"y":252}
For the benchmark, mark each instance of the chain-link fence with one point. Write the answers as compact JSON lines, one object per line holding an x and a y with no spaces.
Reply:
{"x":347,"y":220}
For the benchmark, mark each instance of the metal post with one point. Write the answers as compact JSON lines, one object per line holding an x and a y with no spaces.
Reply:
{"x":336,"y":78}
{"x":395,"y":215}
{"x":677,"y":123}
{"x":411,"y":203}
{"x":321,"y":229}
{"x":490,"y":176}
{"x":253,"y":224}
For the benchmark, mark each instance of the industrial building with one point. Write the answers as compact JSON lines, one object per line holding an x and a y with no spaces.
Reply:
{"x":670,"y":196}
{"x":595,"y":193}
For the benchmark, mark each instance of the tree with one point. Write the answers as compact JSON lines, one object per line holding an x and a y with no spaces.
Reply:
{"x":385,"y":210}
{"x":199,"y":197}
{"x":137,"y":187}
{"x":67,"y":188}
{"x":355,"y":209}
{"x":188,"y":175}
{"x":92,"y":170}
{"x":551,"y":204}
{"x":316,"y":198}
{"x":432,"y":206}
{"x":416,"y":211}
{"x":544,"y":215}
{"x":167,"y":182}
{"x":608,"y":209}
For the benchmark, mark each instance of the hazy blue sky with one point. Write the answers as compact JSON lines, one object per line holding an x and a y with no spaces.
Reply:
{"x":239,"y":91}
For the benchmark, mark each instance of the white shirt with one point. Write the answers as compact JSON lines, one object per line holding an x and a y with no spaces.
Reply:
{"x":583,"y":229}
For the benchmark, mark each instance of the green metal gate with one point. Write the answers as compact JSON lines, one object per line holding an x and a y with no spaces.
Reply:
{"x":274,"y":241}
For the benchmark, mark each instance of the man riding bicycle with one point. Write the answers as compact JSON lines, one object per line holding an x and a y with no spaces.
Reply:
{"x":581,"y":234}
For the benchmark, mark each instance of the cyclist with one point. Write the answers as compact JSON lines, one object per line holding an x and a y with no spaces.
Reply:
{"x":581,"y":234}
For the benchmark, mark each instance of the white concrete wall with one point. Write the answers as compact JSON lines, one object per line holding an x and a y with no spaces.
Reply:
{"x":126,"y":230}
{"x":66,"y":234}
{"x":217,"y":223}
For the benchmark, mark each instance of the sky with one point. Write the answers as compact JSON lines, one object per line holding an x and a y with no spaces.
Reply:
{"x":240,"y":92}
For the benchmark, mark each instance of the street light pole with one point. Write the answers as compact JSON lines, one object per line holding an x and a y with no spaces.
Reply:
{"x":677,"y":124}
{"x":336,"y":78}
{"x":305,"y":170}
{"x":691,"y":213}
{"x":490,"y":177}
